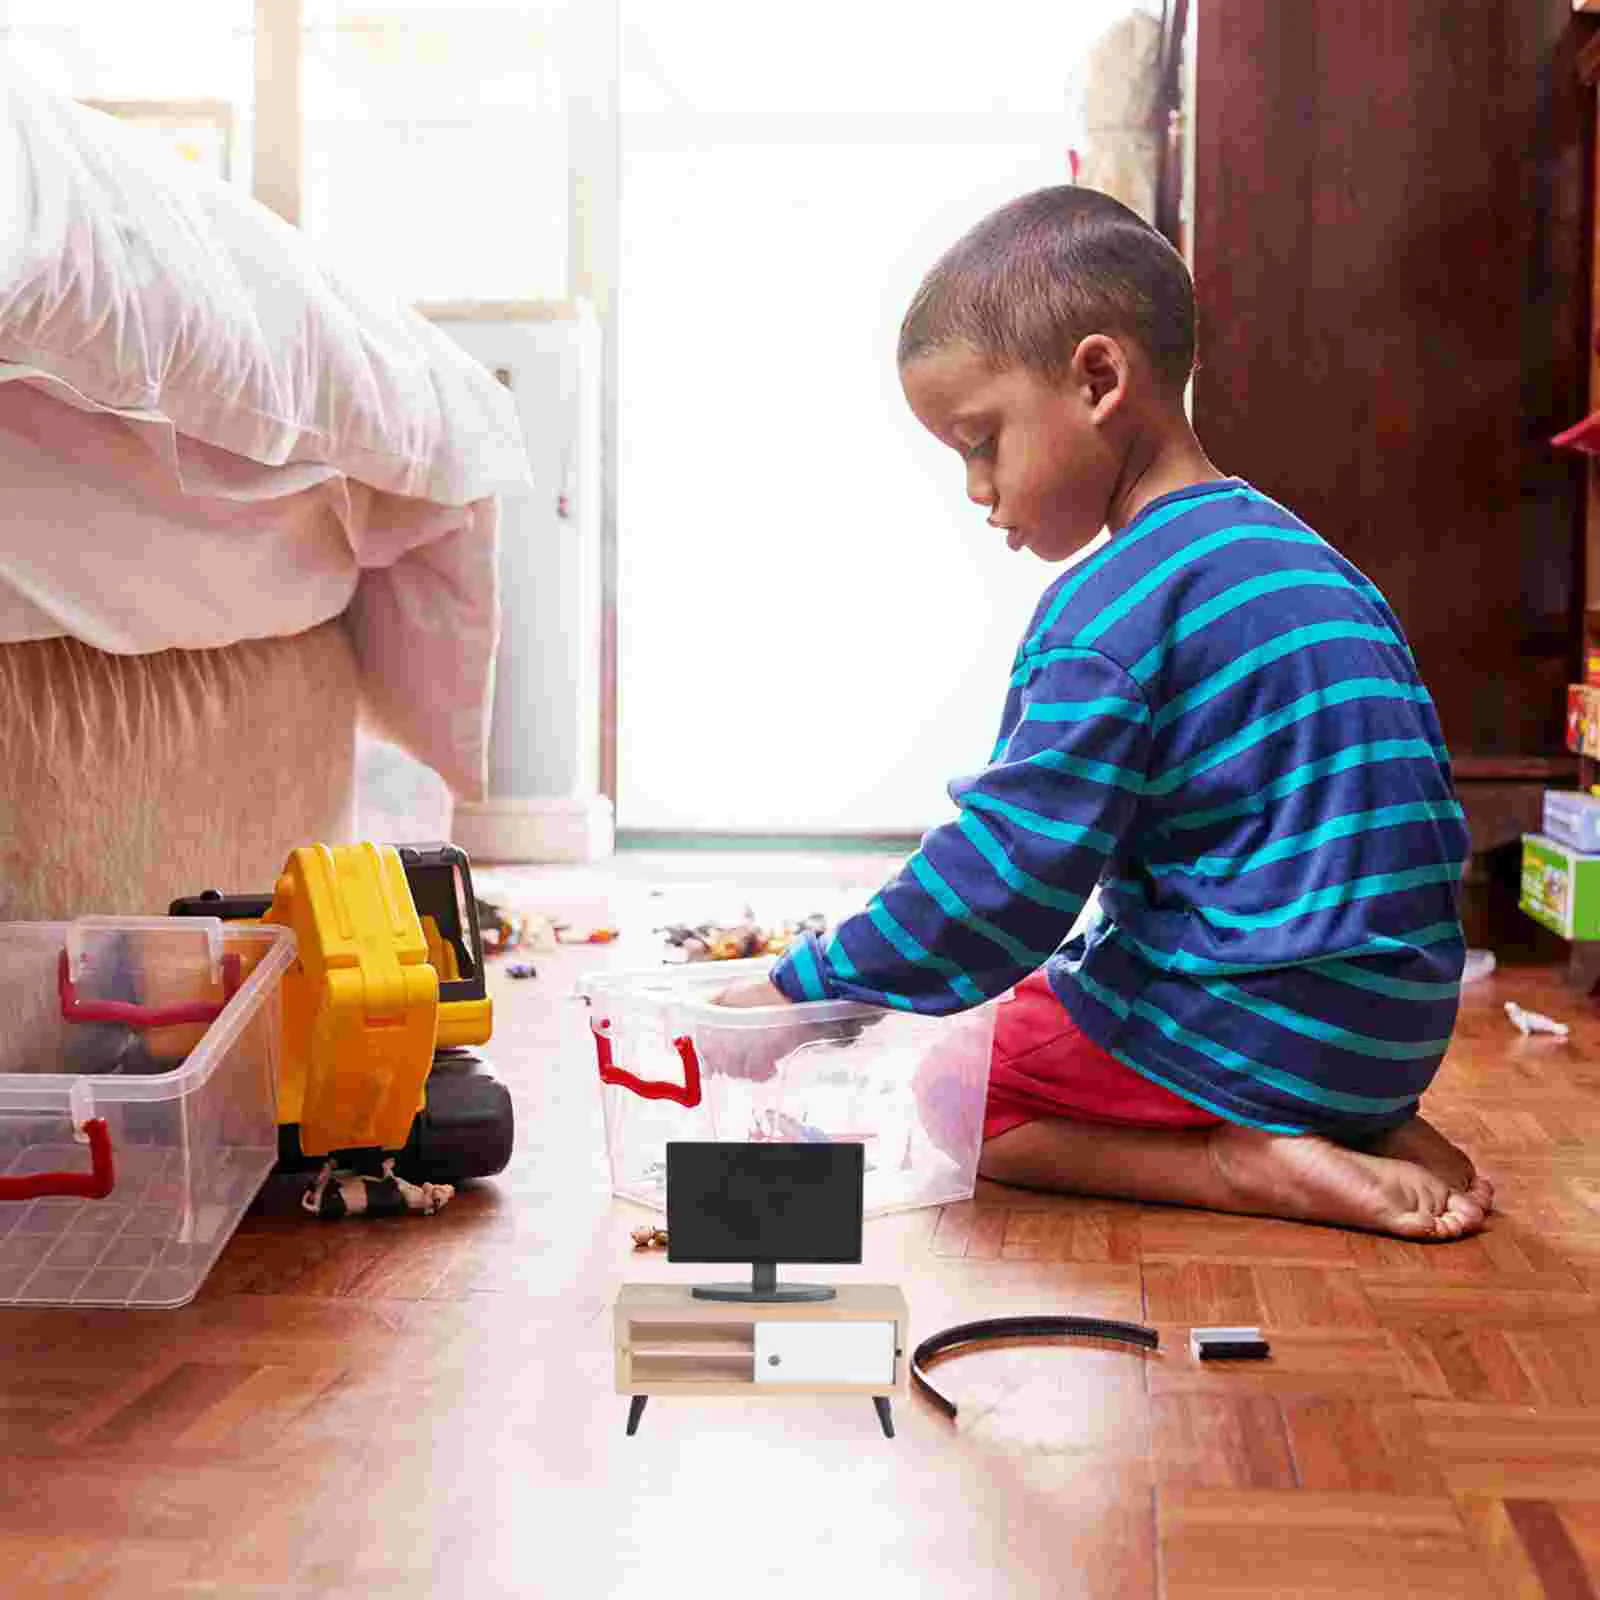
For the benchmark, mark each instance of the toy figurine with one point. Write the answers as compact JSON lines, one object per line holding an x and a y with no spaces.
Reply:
{"x":336,"y":1195}
{"x":783,"y":1128}
{"x":737,"y":941}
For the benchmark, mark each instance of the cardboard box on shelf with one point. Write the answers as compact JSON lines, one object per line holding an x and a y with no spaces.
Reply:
{"x":1583,"y":719}
{"x":1573,"y":818}
{"x":1561,"y":887}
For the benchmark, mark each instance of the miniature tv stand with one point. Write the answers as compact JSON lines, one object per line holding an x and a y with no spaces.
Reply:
{"x":670,"y":1342}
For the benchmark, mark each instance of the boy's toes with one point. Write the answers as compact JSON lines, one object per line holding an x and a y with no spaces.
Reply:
{"x":1429,"y":1211}
{"x":1481,"y":1192}
{"x":1462,"y":1214}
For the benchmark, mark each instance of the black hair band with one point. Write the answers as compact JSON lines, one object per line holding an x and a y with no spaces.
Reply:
{"x":1010,"y":1327}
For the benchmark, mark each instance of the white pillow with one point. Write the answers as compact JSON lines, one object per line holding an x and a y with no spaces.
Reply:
{"x":151,"y":287}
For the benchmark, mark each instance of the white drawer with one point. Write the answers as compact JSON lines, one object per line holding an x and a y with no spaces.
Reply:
{"x":825,"y":1352}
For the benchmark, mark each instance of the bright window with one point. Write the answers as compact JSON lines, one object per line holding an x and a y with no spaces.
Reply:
{"x":436,"y":158}
{"x":814,"y":624}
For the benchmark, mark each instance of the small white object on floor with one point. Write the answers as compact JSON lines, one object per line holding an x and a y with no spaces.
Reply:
{"x":1228,"y":1344}
{"x":1479,"y":964}
{"x":1526,"y":1022}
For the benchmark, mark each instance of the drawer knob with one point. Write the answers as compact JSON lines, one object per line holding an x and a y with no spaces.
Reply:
{"x":773,"y":1361}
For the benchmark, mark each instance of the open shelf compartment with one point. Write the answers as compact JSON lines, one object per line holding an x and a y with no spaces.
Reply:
{"x":734,"y":1341}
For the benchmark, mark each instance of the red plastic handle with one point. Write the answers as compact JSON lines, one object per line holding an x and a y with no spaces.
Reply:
{"x":75,"y":1010}
{"x":94,"y":1184}
{"x":686,"y":1094}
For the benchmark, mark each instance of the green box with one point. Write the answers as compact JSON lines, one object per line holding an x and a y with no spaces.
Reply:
{"x":1560,"y":887}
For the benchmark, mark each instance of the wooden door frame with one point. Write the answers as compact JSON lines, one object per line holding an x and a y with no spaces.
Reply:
{"x":594,"y":191}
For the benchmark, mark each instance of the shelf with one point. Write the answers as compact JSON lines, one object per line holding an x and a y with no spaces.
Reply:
{"x":721,"y":1340}
{"x":667,"y":1374}
{"x":690,"y":1349}
{"x":670,"y":1306}
{"x":1513,"y":769}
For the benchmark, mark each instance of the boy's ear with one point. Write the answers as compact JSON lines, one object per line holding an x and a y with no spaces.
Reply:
{"x":1100,"y":373}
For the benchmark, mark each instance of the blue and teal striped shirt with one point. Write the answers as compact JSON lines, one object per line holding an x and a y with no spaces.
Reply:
{"x":1217,"y":720}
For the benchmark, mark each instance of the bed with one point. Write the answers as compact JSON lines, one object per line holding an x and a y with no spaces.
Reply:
{"x":248,"y":510}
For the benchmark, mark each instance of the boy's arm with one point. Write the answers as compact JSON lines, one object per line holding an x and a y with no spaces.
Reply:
{"x":989,"y":897}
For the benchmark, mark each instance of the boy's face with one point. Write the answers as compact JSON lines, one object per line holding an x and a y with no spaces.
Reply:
{"x":1040,"y":457}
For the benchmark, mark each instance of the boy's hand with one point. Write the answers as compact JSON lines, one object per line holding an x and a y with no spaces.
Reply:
{"x":752,"y":992}
{"x":753,"y":1054}
{"x":750,"y":1053}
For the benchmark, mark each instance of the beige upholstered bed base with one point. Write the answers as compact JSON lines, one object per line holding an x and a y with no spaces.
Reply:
{"x":126,"y":781}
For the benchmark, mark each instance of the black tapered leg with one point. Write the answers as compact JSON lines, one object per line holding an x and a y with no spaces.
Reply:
{"x":885,"y":1416}
{"x":635,"y":1411}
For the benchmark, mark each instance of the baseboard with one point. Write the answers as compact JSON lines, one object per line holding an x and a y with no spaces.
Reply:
{"x":837,"y":844}
{"x":575,"y":828}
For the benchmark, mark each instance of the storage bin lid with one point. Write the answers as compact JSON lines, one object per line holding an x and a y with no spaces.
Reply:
{"x":35,"y":1074}
{"x":684,"y":994}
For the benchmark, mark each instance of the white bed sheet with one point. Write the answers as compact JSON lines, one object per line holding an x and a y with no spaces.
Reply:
{"x":119,"y":532}
{"x":206,"y":435}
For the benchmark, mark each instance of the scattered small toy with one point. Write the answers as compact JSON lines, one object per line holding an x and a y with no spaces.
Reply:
{"x":644,"y":1237}
{"x":784,"y":1129}
{"x":496,"y":928}
{"x":521,"y":969}
{"x":566,"y":934}
{"x":1526,"y":1022}
{"x":1228,"y":1344}
{"x":503,"y":929}
{"x":334,"y":1195}
{"x":738,"y":941}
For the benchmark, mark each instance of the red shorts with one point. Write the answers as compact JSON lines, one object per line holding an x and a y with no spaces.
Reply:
{"x":1042,"y":1066}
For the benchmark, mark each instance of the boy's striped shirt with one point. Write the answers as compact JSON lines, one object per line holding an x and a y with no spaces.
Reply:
{"x":1217,"y":719}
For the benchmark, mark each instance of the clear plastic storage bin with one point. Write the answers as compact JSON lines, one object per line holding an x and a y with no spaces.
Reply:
{"x":909,"y":1087}
{"x":138,"y":1102}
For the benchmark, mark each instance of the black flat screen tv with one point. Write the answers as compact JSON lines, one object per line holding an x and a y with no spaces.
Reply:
{"x":764,"y":1203}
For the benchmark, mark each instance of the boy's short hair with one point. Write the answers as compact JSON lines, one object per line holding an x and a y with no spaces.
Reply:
{"x":1035,"y":277}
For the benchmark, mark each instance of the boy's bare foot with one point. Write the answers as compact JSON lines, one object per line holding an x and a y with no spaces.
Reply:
{"x":1314,"y":1180}
{"x":1416,"y":1185}
{"x":1419,"y":1141}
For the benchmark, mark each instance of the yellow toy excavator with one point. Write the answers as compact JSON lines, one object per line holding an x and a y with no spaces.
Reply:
{"x":380,"y":1008}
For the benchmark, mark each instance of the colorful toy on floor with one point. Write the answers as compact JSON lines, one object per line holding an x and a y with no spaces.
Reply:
{"x":737,"y":941}
{"x":780,"y":1128}
{"x":336,"y":1195}
{"x":504,"y":929}
{"x":500,"y":931}
{"x":379,"y":1010}
{"x":1526,"y":1022}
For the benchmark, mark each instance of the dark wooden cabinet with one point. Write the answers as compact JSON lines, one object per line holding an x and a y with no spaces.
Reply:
{"x":1392,"y":258}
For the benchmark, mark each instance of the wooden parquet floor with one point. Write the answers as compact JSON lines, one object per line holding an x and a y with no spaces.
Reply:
{"x":423,"y":1407}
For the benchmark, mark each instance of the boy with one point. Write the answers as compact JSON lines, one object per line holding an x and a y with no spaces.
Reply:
{"x":1214,"y":718}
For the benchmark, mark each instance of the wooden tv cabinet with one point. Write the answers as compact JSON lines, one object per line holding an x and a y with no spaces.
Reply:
{"x":668,"y":1342}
